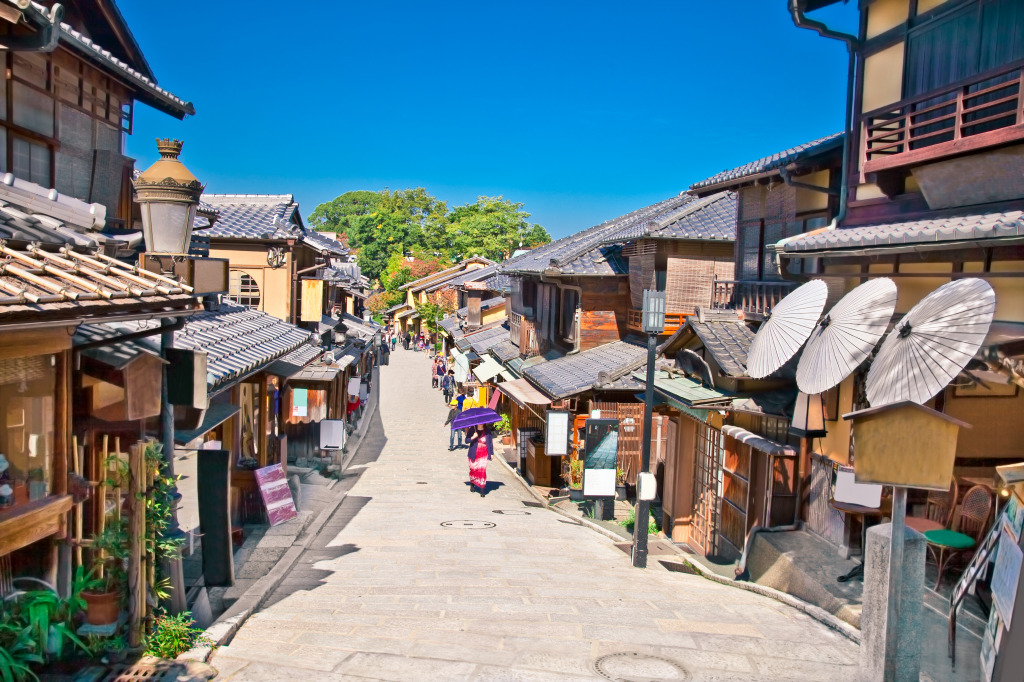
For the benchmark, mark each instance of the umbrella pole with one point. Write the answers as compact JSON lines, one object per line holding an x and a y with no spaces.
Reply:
{"x":896,"y":542}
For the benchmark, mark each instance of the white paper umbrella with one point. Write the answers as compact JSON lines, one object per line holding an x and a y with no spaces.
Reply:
{"x":932,"y":343}
{"x":789,"y":325}
{"x":846,"y":335}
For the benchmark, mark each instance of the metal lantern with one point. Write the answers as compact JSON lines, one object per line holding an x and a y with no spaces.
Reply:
{"x":653,"y":312}
{"x":808,"y":416}
{"x":168,"y":195}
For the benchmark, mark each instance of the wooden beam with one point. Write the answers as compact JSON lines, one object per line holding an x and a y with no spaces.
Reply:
{"x":32,"y":522}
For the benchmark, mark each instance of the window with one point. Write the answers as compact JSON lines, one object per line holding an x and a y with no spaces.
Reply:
{"x":242,"y":289}
{"x":27,"y":387}
{"x":567,"y":317}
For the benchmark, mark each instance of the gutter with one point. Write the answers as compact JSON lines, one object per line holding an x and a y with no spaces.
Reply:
{"x":796,"y":10}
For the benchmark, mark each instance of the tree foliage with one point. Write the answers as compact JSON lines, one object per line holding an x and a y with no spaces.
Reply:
{"x":388,"y":225}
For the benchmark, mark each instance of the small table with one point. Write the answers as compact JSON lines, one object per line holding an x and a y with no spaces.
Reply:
{"x":864,"y":513}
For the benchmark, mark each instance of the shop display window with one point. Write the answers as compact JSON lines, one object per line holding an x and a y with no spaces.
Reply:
{"x":27,"y":387}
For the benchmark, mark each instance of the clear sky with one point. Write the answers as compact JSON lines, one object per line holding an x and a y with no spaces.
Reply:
{"x":581,"y":110}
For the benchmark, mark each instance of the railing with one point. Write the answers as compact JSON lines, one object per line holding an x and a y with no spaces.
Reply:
{"x":673,"y":321}
{"x":754,"y":298}
{"x":529,"y":344}
{"x":515,"y":321}
{"x":980,"y":112}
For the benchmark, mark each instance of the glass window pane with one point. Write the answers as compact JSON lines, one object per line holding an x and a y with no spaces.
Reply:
{"x":31,"y":161}
{"x":33,"y":109}
{"x":26,"y":429}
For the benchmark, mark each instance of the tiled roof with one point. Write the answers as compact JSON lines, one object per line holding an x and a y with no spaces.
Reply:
{"x":147,"y":89}
{"x":436,"y":280}
{"x":449,"y":324}
{"x":322,"y":243}
{"x":293,"y":363}
{"x":712,"y":218}
{"x":33,"y":213}
{"x":773,"y":162}
{"x":360,"y":328}
{"x":484,"y":305}
{"x":687,"y":391}
{"x":252,"y":216}
{"x":727,"y":342}
{"x":468,"y":276}
{"x":974,"y":226}
{"x":484,"y":339}
{"x":589,"y":252}
{"x":574,"y":374}
{"x":238,"y":341}
{"x":504,"y":351}
{"x":68,"y":284}
{"x":397,"y":307}
{"x":499,"y":282}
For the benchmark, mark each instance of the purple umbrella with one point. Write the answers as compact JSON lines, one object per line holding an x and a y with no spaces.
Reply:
{"x":474,"y":416}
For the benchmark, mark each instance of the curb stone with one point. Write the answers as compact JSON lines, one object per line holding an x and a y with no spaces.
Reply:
{"x":225,"y":627}
{"x":817,"y":613}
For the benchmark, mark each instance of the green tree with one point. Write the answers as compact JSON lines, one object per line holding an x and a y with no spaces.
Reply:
{"x":493,"y":227}
{"x":432,"y":313}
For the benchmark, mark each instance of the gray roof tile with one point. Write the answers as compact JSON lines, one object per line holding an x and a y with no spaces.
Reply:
{"x":773,"y":162}
{"x":467,"y":276}
{"x":484,"y":305}
{"x":572,"y":374}
{"x":504,"y":351}
{"x":727,"y":342}
{"x":484,"y":339}
{"x":952,"y":228}
{"x":261,"y":216}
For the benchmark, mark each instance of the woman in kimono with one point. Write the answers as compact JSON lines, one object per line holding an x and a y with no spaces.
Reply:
{"x":481,"y":449}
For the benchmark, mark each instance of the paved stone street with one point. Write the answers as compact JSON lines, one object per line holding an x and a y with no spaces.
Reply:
{"x":415,"y":578}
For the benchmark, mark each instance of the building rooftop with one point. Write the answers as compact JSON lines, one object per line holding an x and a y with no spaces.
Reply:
{"x":572,"y":374}
{"x":270,"y":217}
{"x":770,"y":163}
{"x":727,"y":342}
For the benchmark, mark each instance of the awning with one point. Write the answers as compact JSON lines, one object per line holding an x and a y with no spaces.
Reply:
{"x":291,"y":364}
{"x":507,"y":375}
{"x":523,"y":393}
{"x":315,"y":375}
{"x":687,"y":391}
{"x":405,"y":313}
{"x":759,"y":443}
{"x":215,"y":415}
{"x":487,"y":369}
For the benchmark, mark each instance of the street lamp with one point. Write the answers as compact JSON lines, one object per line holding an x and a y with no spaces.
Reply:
{"x":168,"y":194}
{"x":652,"y":323}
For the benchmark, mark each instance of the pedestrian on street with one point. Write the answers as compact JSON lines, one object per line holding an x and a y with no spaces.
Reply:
{"x":456,"y":404}
{"x":433,"y":373}
{"x":438,"y":371}
{"x":394,"y":341}
{"x":408,"y":340}
{"x":385,"y":354}
{"x":481,"y":450}
{"x":448,"y":386}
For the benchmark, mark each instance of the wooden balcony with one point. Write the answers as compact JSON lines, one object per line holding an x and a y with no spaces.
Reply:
{"x":523,"y":333}
{"x":673,"y":321}
{"x":756,"y":299}
{"x":984,"y":111}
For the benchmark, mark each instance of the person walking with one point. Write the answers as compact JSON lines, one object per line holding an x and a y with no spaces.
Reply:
{"x":394,"y":340}
{"x":385,"y":353}
{"x":448,"y":386}
{"x":456,"y":404}
{"x":481,"y":450}
{"x":438,"y":371}
{"x":433,"y":373}
{"x":408,"y":340}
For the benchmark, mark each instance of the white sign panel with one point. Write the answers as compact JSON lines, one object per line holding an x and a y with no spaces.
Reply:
{"x":332,"y":434}
{"x":1006,"y":575}
{"x":848,"y":491}
{"x":557,"y":439}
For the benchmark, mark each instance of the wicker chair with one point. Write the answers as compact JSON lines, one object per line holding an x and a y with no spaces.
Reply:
{"x":974,"y":517}
{"x":938,"y":511}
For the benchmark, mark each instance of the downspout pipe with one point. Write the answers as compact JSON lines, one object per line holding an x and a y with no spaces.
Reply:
{"x":796,"y":10}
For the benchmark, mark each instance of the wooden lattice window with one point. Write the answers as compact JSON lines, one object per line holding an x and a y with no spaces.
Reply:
{"x":243,"y":290}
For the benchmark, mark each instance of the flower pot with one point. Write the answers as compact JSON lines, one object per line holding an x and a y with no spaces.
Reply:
{"x":620,"y":493}
{"x":506,"y":440}
{"x":102,"y":608}
{"x":576,"y":494}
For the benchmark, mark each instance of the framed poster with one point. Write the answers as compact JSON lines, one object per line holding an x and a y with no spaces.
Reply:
{"x":557,"y":433}
{"x":277,"y":496}
{"x":601,"y":451}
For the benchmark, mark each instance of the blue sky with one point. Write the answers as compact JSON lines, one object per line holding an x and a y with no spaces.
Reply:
{"x":581,"y":110}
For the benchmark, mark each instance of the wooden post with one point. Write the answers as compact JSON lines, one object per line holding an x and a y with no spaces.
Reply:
{"x":264,"y":422}
{"x":136,"y":528}
{"x":76,"y":458}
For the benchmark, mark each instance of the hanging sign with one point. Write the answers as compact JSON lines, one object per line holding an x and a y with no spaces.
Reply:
{"x":277,"y":496}
{"x":601,"y":457}
{"x":353,"y":386}
{"x":332,"y":434}
{"x":557,"y":434}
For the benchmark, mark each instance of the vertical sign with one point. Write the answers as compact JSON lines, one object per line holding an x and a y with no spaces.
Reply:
{"x":557,"y":433}
{"x":601,"y":457}
{"x":277,"y":496}
{"x":299,"y":402}
{"x":312,"y":300}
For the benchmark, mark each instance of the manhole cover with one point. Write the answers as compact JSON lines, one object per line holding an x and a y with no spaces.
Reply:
{"x":512,"y":512}
{"x":631,"y":666}
{"x":467,"y":524}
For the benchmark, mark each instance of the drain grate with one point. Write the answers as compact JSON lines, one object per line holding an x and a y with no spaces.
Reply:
{"x":471,"y":525}
{"x":511,"y":512}
{"x":633,"y":666}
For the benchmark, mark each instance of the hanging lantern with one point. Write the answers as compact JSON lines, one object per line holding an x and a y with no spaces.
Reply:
{"x":808,"y":416}
{"x":168,"y":195}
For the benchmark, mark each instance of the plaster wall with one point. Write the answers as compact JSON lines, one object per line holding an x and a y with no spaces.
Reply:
{"x":274,"y":283}
{"x":998,"y":430}
{"x":886,"y":14}
{"x":809,"y":200}
{"x":928,"y":5}
{"x":883,"y":78}
{"x":836,"y":443}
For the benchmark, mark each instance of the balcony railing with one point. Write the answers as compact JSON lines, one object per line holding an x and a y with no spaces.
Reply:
{"x":673,"y":321}
{"x":515,"y":321}
{"x":523,"y":333}
{"x":756,"y":299}
{"x":981,"y":112}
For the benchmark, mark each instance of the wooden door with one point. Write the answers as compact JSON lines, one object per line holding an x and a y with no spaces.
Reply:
{"x":706,"y":490}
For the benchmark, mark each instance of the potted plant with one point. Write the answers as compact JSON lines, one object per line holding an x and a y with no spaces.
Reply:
{"x":576,"y":480}
{"x":102,"y":594}
{"x":504,"y":429}
{"x":620,"y":485}
{"x":50,"y":619}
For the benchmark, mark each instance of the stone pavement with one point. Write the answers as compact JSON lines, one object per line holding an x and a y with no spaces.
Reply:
{"x":416,"y":578}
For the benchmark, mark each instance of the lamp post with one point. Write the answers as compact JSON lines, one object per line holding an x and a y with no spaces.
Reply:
{"x":652,"y":324}
{"x":168,"y":195}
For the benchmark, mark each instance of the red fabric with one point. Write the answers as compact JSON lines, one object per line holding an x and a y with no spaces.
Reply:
{"x":478,"y":465}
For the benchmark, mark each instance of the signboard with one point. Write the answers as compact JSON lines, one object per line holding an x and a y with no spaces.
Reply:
{"x":299,"y":402}
{"x":600,"y":457}
{"x":353,"y":386}
{"x":332,"y":434}
{"x":557,"y":434}
{"x":312,"y":300}
{"x":1006,"y":575}
{"x":277,"y":496}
